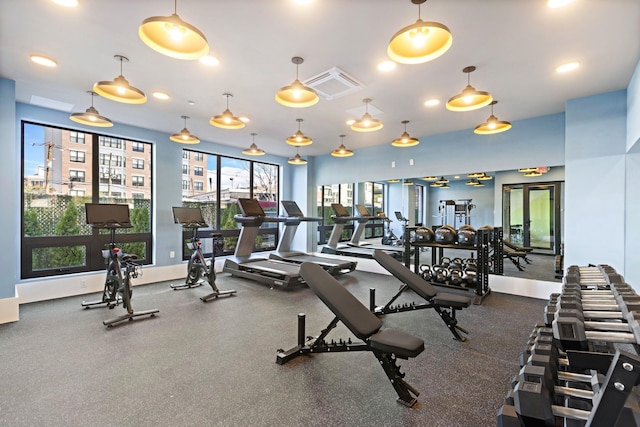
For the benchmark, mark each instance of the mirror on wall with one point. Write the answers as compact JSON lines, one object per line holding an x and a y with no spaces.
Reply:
{"x":527,"y":203}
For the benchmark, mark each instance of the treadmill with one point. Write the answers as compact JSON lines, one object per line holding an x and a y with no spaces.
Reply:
{"x":359,"y":231}
{"x":341,"y":218}
{"x":294,"y":217}
{"x":274,"y":273}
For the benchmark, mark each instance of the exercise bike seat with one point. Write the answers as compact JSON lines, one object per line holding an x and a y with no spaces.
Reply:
{"x":360,"y":321}
{"x":418,"y":285}
{"x":129,"y":257}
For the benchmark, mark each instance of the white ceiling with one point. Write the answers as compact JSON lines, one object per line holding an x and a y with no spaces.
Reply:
{"x":515,"y":45}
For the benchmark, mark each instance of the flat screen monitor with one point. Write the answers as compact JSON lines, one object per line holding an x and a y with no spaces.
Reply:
{"x":291,"y":208}
{"x":339,"y":209}
{"x":250,"y":207}
{"x":188,"y":216}
{"x":362,"y":210}
{"x":108,"y":215}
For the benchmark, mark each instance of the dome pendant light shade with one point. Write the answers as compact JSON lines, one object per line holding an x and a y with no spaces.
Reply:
{"x":470,"y":98}
{"x":253,"y":150}
{"x":297,"y":160}
{"x":366,"y":123}
{"x":342,"y":151}
{"x":227,"y":120}
{"x":173,"y":37}
{"x":297,"y":95}
{"x":91,"y":117}
{"x":419,"y":42}
{"x":492,"y":125}
{"x":185,"y":137}
{"x":299,"y":139}
{"x":119,"y":88}
{"x":405,"y":139}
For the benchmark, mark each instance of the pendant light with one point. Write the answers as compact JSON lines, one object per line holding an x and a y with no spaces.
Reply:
{"x":184,"y":137}
{"x":342,"y":151}
{"x":297,"y":160}
{"x":484,"y":177}
{"x":405,"y":139}
{"x":442,"y":180}
{"x":299,"y":139}
{"x":492,"y":125}
{"x":366,"y":123}
{"x":297,"y":95}
{"x":430,"y":178}
{"x":173,"y":37}
{"x":419,"y":42}
{"x":532,"y":174}
{"x":119,"y":88}
{"x":253,"y":150}
{"x":525,"y":170}
{"x":471,"y":182}
{"x":91,"y":117}
{"x":226,"y":120}
{"x":470,"y":98}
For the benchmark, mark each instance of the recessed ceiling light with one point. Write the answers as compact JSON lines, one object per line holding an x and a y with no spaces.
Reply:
{"x":431,"y":102}
{"x":66,"y":3}
{"x":350,"y":122}
{"x":210,"y":60}
{"x":456,"y":177}
{"x":386,"y":66}
{"x":191,"y":103}
{"x":44,"y":60}
{"x":244,"y":119}
{"x":552,"y":4}
{"x":569,"y":66}
{"x":161,"y":95}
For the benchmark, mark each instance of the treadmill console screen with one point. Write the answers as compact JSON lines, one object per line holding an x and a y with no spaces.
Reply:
{"x":188,"y":216}
{"x":108,"y":215}
{"x":339,"y":209}
{"x":291,"y":208}
{"x":250,"y":207}
{"x":362,"y":210}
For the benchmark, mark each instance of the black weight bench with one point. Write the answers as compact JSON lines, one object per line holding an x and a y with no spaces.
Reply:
{"x":445,"y":304}
{"x":514,"y":256}
{"x":386,"y":344}
{"x":526,"y":249}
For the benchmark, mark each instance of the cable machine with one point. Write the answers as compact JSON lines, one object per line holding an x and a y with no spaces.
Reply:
{"x":455,"y":212}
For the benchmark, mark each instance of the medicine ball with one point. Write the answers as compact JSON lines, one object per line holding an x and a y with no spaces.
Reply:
{"x":446,"y":235}
{"x":467,"y":236}
{"x":424,"y":235}
{"x":488,"y":228}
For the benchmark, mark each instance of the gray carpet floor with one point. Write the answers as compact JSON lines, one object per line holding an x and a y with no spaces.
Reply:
{"x":213,"y":364}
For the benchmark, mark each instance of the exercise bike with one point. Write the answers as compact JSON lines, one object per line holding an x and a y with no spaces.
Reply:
{"x":199,"y":270}
{"x":121,"y":268}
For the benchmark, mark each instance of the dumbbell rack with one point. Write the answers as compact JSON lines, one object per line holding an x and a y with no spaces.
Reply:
{"x":574,"y":371}
{"x":483,"y":248}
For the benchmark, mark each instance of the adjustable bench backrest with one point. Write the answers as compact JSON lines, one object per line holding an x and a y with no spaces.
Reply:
{"x":360,"y":321}
{"x":402,"y":273}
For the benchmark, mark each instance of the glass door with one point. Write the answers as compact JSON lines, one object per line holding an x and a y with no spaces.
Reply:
{"x":531,"y":215}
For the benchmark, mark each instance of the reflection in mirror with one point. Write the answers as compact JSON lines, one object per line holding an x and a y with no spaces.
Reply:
{"x":527,"y":203}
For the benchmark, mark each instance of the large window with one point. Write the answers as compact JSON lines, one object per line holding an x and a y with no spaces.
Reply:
{"x":225,"y":181}
{"x":55,"y":237}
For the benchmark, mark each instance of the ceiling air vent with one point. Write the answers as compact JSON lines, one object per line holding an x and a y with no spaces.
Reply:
{"x":333,"y":83}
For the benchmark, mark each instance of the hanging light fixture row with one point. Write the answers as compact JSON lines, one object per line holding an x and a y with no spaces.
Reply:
{"x":405,"y":140}
{"x":299,"y":139}
{"x":492,"y":125}
{"x":253,"y":150}
{"x":171,"y":36}
{"x":91,"y":117}
{"x":297,"y":95}
{"x":184,"y":137}
{"x":119,"y":88}
{"x":419,"y":42}
{"x":366,"y":123}
{"x":226,"y":120}
{"x":470,"y":98}
{"x":342,"y":151}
